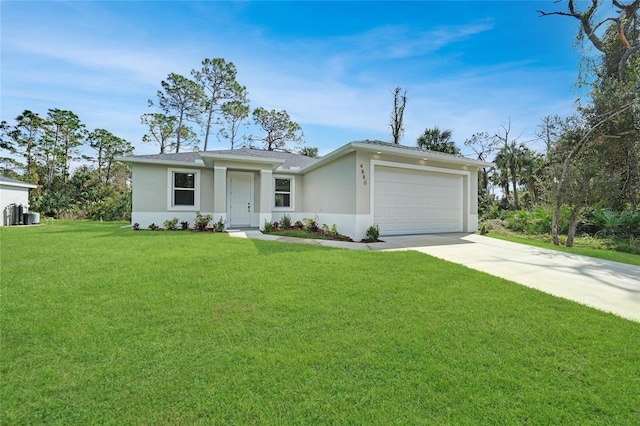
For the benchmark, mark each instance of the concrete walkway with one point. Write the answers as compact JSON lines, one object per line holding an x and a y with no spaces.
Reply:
{"x":601,"y":284}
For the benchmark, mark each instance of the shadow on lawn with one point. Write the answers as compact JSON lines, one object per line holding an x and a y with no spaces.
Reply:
{"x":280,"y":247}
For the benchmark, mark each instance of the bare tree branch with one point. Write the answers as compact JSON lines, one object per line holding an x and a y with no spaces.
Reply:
{"x":589,"y":29}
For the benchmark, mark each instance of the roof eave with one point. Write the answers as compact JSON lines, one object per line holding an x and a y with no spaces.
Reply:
{"x":134,"y":160}
{"x":274,"y":162}
{"x":18,"y":185}
{"x":429,"y":155}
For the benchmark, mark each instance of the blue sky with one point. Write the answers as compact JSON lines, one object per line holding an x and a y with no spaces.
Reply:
{"x":467,"y":66}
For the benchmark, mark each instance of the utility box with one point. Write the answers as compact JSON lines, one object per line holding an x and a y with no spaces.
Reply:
{"x":17,"y":216}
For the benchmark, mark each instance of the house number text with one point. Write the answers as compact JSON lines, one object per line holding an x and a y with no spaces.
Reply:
{"x":364,"y":176}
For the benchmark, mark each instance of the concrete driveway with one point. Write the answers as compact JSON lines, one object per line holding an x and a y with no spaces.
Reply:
{"x":605,"y":285}
{"x":601,"y":284}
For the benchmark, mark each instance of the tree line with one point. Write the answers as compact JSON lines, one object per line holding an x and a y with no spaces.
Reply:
{"x":591,"y":160}
{"x":213,"y":99}
{"x":50,"y":151}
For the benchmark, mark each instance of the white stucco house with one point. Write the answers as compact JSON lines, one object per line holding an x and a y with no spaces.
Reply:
{"x":403,"y":189}
{"x":13,"y":191}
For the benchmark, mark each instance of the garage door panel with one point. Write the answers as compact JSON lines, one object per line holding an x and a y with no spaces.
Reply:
{"x":412,"y":201}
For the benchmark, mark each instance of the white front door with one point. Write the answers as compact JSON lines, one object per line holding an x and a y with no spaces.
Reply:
{"x":240,"y":186}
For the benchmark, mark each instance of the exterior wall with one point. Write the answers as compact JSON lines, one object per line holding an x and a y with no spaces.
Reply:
{"x":12,"y":195}
{"x":151,"y":191}
{"x":473,"y":209}
{"x":328,"y":194}
{"x":331,"y":188}
{"x":149,"y":186}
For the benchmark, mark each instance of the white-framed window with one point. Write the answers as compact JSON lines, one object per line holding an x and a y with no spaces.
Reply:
{"x":283,"y":193}
{"x":184,"y":189}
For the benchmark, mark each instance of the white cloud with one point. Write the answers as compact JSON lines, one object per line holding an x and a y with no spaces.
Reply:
{"x":401,"y":41}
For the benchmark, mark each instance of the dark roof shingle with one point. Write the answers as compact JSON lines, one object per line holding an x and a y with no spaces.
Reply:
{"x":290,"y":159}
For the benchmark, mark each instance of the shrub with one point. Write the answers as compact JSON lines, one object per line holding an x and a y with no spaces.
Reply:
{"x":153,"y":227}
{"x":331,"y":232}
{"x":286,"y":221}
{"x":484,"y":228}
{"x":135,"y":226}
{"x":298,"y":225}
{"x":171,"y":225}
{"x":268,"y":226}
{"x":202,"y":221}
{"x":114,"y":207}
{"x":184,"y":225}
{"x":219,"y":225}
{"x":373,"y":232}
{"x":611,"y":223}
{"x":632,"y":246}
{"x":310,"y":225}
{"x":276,"y":225}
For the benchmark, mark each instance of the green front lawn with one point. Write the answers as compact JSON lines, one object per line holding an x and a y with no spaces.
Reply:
{"x":106,"y":325}
{"x":299,"y":234}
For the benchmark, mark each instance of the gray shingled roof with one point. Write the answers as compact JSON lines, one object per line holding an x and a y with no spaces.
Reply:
{"x":405,"y":147}
{"x":187,"y":157}
{"x":290,"y":159}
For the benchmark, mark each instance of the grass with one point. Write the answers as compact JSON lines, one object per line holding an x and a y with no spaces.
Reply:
{"x":300,"y":234}
{"x":106,"y":325}
{"x":600,"y":253}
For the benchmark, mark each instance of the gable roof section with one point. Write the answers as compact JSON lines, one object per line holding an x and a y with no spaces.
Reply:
{"x":296,"y":163}
{"x":380,"y":147}
{"x":414,"y":151}
{"x":280,"y":160}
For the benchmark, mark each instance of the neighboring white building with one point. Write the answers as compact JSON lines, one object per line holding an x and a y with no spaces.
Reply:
{"x":13,"y":191}
{"x":403,"y":189}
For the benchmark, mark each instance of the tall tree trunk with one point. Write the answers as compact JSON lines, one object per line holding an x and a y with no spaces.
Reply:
{"x":206,"y":134}
{"x":554,"y":222}
{"x":573,"y":222}
{"x":515,"y":189}
{"x":179,"y":130}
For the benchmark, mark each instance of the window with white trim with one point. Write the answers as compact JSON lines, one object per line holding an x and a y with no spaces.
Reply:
{"x":283,"y":198}
{"x":184,"y":189}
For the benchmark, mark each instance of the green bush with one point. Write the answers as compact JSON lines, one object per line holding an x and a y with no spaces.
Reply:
{"x":219,"y":226}
{"x":611,"y":223}
{"x":534,"y":222}
{"x":632,"y":245}
{"x":331,"y":231}
{"x":268,"y":226}
{"x":373,"y":232}
{"x":115,"y":207}
{"x":202,"y":221}
{"x":310,"y":225}
{"x":171,"y":225}
{"x":286,"y":221}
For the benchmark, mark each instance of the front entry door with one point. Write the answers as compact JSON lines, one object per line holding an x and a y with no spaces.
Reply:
{"x":240,"y":198}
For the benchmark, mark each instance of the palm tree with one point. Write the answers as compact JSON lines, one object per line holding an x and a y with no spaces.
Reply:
{"x":437,"y":140}
{"x":511,"y":160}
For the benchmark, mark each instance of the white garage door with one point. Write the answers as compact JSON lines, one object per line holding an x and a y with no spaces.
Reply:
{"x":416,"y":202}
